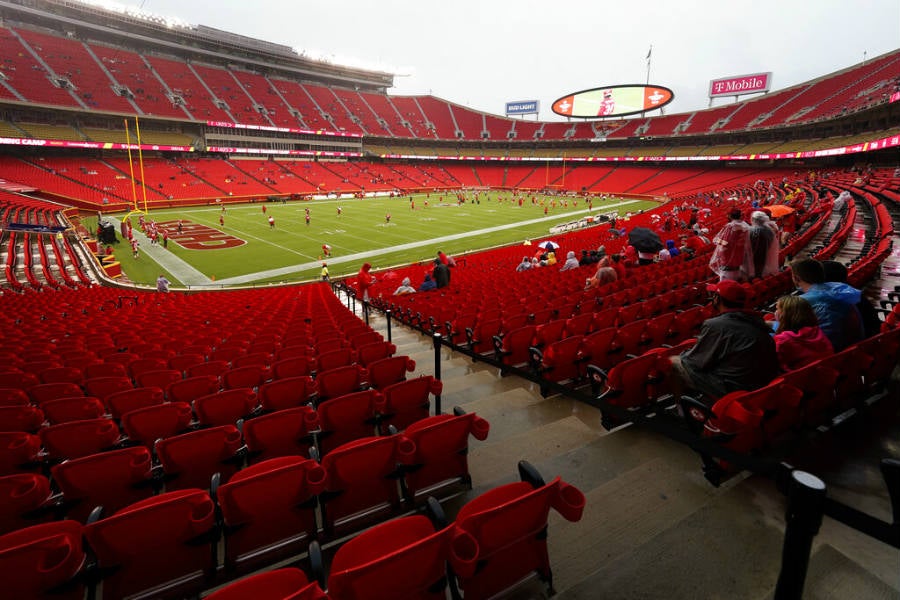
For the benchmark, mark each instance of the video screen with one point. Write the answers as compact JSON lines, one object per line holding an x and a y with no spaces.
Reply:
{"x":613,"y":101}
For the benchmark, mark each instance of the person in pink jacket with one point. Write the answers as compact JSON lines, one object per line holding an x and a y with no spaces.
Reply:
{"x":798,"y":339}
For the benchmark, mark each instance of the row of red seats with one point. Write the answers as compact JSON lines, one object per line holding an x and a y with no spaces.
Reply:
{"x":166,"y":545}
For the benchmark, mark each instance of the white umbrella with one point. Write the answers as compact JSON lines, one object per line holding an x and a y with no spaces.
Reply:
{"x":548,"y":245}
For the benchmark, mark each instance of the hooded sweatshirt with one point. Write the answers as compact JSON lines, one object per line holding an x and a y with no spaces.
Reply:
{"x":571,"y":262}
{"x":835,"y":306}
{"x":799,"y":348}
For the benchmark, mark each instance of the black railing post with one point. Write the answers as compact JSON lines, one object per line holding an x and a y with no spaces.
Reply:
{"x":890,"y":470}
{"x":437,"y":370}
{"x":805,"y":506}
{"x":365,"y":311}
{"x":387,"y":315}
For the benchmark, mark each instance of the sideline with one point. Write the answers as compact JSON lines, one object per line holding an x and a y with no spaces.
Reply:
{"x":189,"y":276}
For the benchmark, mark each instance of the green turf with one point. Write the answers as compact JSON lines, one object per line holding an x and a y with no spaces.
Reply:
{"x":361,"y":227}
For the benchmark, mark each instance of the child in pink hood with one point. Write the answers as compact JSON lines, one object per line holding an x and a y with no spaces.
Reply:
{"x":798,"y":338}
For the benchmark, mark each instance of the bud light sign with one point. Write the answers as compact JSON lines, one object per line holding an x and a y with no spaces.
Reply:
{"x":736,"y":86}
{"x":523,"y":107}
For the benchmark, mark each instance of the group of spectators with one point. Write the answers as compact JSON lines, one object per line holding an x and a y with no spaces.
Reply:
{"x":439,"y":277}
{"x":738,"y":349}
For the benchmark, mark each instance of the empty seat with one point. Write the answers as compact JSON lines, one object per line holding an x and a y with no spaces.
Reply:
{"x":286,"y":432}
{"x":286,"y":393}
{"x":52,"y":391}
{"x":225,"y":407}
{"x":43,"y":561}
{"x":267,"y":508}
{"x":151,"y":423}
{"x":133,"y":399}
{"x":289,"y":582}
{"x":159,"y":545}
{"x":340,"y":381}
{"x":408,"y":401}
{"x":362,"y":479}
{"x":336,"y":358}
{"x":112,"y":480}
{"x":368,"y":353}
{"x":188,"y":390}
{"x":79,"y":438}
{"x":442,"y":447}
{"x":67,"y":374}
{"x":23,"y":501}
{"x":102,"y":387}
{"x":386,"y":371}
{"x":189,"y":460}
{"x":160,"y":378}
{"x":506,"y":531}
{"x":21,"y":418}
{"x":79,"y":408}
{"x":295,"y":366}
{"x":348,"y":417}
{"x":19,"y":452}
{"x":249,"y":376}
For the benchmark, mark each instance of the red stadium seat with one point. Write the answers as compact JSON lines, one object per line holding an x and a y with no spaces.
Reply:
{"x":79,"y":438}
{"x":19,"y":452}
{"x":23,"y":501}
{"x":150,"y":423}
{"x":188,"y":390}
{"x":407,"y":401}
{"x":287,"y":393}
{"x":133,"y":399}
{"x":386,"y":371}
{"x":225,"y":407}
{"x":296,"y":366}
{"x":64,"y":410}
{"x":43,"y":561}
{"x":287,"y":583}
{"x":189,"y":460}
{"x":267,"y":508}
{"x":53,"y":391}
{"x":346,"y":418}
{"x":21,"y":418}
{"x":340,"y":381}
{"x":112,"y":480}
{"x":161,"y":544}
{"x":285,"y":432}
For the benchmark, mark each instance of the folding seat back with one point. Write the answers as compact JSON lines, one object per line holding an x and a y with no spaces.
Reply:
{"x":188,"y":390}
{"x":21,"y":418}
{"x":103,"y":387}
{"x":67,"y":374}
{"x":38,"y":366}
{"x":346,"y":418}
{"x":122,"y":358}
{"x":386,"y":371}
{"x":597,"y":349}
{"x":408,"y":401}
{"x":182,"y":362}
{"x":267,"y":508}
{"x":403,"y":558}
{"x":13,"y":397}
{"x":336,"y":358}
{"x":160,"y":378}
{"x":513,"y":347}
{"x":295,"y":351}
{"x":442,"y":445}
{"x":111,"y":479}
{"x":480,"y":338}
{"x":189,"y":460}
{"x":156,"y":546}
{"x":212,"y":367}
{"x":605,"y":318}
{"x":579,"y":325}
{"x":289,"y":583}
{"x":138,"y":367}
{"x":368,"y":353}
{"x":146,"y":425}
{"x":340,"y":381}
{"x":43,"y":561}
{"x":780,"y":404}
{"x":368,"y":337}
{"x":559,"y":360}
{"x":851,"y":365}
{"x":19,"y":452}
{"x":297,"y":366}
{"x":659,"y":329}
{"x":286,"y":432}
{"x":507,"y":534}
{"x":105,"y":369}
{"x":630,"y":384}
{"x":79,"y":408}
{"x":226,"y":353}
{"x":250,"y":376}
{"x":629,"y":313}
{"x":817,"y":380}
{"x":884,"y":349}
{"x":79,"y":438}
{"x":263,"y":359}
{"x":362,"y":478}
{"x":133,"y":399}
{"x":286,"y":393}
{"x":225,"y":407}
{"x":629,"y":339}
{"x":19,"y":380}
{"x":52,"y":391}
{"x":22,"y":496}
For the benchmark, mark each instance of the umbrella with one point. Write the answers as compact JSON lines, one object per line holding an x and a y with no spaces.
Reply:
{"x":548,"y":245}
{"x":779,"y":210}
{"x":644,"y":240}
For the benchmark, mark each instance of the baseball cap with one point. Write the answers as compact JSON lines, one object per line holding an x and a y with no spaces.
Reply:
{"x":730,"y":291}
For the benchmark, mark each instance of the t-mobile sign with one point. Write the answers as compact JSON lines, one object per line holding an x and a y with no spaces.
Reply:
{"x":745,"y":84}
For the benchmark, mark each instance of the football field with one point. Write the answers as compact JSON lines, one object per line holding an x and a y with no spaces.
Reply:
{"x":239,"y":246}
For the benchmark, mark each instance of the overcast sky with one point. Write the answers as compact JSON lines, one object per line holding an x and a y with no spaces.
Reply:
{"x":484,"y":53}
